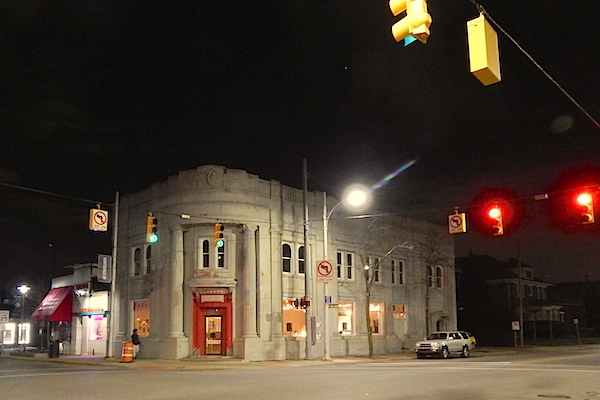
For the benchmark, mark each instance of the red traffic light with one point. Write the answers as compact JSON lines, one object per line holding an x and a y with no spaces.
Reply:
{"x":586,"y":202}
{"x":495,"y":214}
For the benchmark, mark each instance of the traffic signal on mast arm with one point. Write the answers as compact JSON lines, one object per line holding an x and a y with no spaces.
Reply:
{"x":495,"y":214}
{"x":586,"y":202}
{"x":484,"y":55}
{"x":218,"y":234}
{"x":151,"y":235}
{"x":415,"y":24}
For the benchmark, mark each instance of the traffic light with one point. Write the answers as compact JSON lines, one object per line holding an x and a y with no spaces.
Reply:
{"x":586,"y":202}
{"x":218,"y":234}
{"x":151,"y":235}
{"x":484,"y":56}
{"x":495,"y":214}
{"x":415,"y":24}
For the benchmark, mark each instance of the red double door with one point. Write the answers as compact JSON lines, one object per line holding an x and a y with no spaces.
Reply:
{"x":213,"y":324}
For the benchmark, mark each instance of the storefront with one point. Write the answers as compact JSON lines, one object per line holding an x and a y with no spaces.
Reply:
{"x":73,"y":316}
{"x":88,"y":333}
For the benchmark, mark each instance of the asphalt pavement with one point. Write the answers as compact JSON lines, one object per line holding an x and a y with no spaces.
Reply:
{"x":216,"y":363}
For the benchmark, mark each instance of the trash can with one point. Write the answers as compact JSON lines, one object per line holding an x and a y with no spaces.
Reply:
{"x":53,"y":349}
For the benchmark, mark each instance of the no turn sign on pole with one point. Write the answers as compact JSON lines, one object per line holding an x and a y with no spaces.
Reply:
{"x":98,"y":220}
{"x":325,"y":271}
{"x":457,"y":223}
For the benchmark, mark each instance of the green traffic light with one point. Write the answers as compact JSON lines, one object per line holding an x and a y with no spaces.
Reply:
{"x":220,"y":243}
{"x":153,"y":238}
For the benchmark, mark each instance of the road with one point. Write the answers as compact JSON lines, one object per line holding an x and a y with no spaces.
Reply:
{"x":557,"y":374}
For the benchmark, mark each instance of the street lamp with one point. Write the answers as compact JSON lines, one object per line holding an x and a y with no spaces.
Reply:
{"x":356,"y":196}
{"x":23,"y":289}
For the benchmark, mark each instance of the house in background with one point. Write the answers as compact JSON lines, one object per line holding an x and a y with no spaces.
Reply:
{"x":489,"y":301}
{"x":581,"y":305}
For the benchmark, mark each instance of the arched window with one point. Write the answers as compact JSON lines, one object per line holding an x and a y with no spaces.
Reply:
{"x":301,"y":260}
{"x":221,"y":256}
{"x":430,"y":280}
{"x":286,"y":255}
{"x":438,"y":277}
{"x":137,"y":261}
{"x":148,"y":259}
{"x":205,"y":254}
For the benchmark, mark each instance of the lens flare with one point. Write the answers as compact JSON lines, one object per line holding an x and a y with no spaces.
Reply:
{"x":391,"y":176}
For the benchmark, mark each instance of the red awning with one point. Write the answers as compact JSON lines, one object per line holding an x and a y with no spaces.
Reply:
{"x":56,"y":306}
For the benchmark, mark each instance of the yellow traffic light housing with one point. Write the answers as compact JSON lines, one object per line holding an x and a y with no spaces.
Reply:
{"x":218,"y":235}
{"x":495,"y":214}
{"x":151,"y":235}
{"x":416,"y":22}
{"x":484,"y":56}
{"x":586,"y":201}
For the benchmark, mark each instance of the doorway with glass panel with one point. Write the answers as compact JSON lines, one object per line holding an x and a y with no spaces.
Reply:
{"x":213,"y":340}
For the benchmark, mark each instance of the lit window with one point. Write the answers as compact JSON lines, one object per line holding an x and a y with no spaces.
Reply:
{"x":286,"y":255}
{"x":294,"y":319}
{"x":375,"y":315}
{"x":141,"y":317}
{"x":345,"y":317}
{"x":398,"y":311}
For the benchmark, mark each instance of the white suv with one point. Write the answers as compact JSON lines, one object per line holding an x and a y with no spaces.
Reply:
{"x":444,"y":344}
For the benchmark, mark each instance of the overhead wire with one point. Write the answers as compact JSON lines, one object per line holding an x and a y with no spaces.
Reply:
{"x":497,"y":25}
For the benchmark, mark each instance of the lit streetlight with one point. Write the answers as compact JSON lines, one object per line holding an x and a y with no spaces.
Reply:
{"x":23,"y":289}
{"x":355,"y":196}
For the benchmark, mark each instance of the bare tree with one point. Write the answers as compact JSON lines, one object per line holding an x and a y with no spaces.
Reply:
{"x":432,"y":251}
{"x":380,"y":240}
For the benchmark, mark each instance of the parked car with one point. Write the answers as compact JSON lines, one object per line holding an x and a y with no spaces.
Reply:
{"x":443,"y":344}
{"x":471,"y":338}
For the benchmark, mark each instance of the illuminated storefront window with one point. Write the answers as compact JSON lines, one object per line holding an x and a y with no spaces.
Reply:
{"x":345,"y":317}
{"x":375,"y":315}
{"x":398,"y":311}
{"x":10,"y":333}
{"x":97,"y":327}
{"x":294,"y":319}
{"x":141,"y":317}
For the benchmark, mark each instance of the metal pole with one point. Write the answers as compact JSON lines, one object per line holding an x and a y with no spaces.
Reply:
{"x":22,"y":330}
{"x":110,"y":326}
{"x":308,"y":269}
{"x":326,"y":341}
{"x":522,"y":332}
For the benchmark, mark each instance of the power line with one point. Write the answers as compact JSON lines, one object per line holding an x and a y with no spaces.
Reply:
{"x":579,"y":106}
{"x":54,"y":194}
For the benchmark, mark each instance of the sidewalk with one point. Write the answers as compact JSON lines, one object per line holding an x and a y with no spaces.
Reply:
{"x":230,"y":363}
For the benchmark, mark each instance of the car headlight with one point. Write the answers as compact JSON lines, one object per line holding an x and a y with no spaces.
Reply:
{"x":435,"y":346}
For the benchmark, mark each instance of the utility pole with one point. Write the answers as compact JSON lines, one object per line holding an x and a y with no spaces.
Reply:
{"x":111,"y":322}
{"x":308,"y":268}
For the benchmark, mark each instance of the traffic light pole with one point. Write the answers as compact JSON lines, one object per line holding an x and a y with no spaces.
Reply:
{"x":111,"y":322}
{"x":308,"y":269}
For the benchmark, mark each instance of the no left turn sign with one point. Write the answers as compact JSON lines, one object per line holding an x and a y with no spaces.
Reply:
{"x":98,"y":220}
{"x":324,"y":271}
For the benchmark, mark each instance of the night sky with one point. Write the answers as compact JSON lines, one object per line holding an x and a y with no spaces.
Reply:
{"x":102,"y":96}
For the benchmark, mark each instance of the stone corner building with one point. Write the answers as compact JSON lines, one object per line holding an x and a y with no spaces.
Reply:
{"x":189,"y":298}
